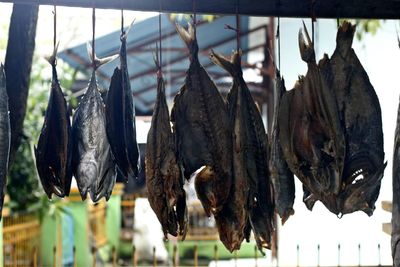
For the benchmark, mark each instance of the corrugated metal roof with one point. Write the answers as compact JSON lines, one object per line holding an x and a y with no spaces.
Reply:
{"x":141,"y":44}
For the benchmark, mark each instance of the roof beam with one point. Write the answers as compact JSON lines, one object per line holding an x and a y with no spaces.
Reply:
{"x":372,"y":9}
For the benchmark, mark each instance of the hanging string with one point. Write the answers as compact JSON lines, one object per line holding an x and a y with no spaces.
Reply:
{"x":237,"y":27}
{"x":313,"y":19}
{"x":159,"y":36}
{"x":55,"y":26}
{"x":278,"y":36}
{"x":93,"y":33}
{"x":122,"y":18}
{"x":194,"y":16}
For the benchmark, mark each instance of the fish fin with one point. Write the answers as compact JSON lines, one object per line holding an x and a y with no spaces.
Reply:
{"x":188,"y":37}
{"x":125,"y":33}
{"x":306,"y":48}
{"x":52,"y":59}
{"x":232,"y":66}
{"x":98,"y":62}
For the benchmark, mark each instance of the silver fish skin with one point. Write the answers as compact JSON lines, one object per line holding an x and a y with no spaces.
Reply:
{"x":93,"y":167}
{"x":5,"y":135}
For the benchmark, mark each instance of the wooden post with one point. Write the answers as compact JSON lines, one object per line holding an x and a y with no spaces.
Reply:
{"x":154,"y":257}
{"x":195,"y":256}
{"x":34,"y":256}
{"x":216,"y":255}
{"x":255,"y":255}
{"x":174,"y":253}
{"x":94,"y":256}
{"x":54,"y":256}
{"x":134,"y":263}
{"x":74,"y":255}
{"x":114,"y":257}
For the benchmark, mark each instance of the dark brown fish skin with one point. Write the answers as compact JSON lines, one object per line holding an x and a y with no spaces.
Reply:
{"x":327,"y":137}
{"x":250,"y":157}
{"x":396,"y":194}
{"x":201,"y":125}
{"x":5,"y":136}
{"x":233,"y":218}
{"x":53,"y":153}
{"x":120,"y":115}
{"x":281,"y":176}
{"x":311,"y":135}
{"x":92,"y":163}
{"x":164,"y":179}
{"x":361,"y":118}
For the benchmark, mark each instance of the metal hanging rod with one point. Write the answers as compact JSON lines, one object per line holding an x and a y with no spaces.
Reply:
{"x":368,"y":9}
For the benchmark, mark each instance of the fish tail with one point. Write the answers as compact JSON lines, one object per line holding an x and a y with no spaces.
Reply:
{"x":188,"y":37}
{"x":2,"y":76}
{"x":98,"y":62}
{"x":232,"y":66}
{"x":344,"y":37}
{"x":125,"y":32}
{"x":306,"y":48}
{"x":52,"y":59}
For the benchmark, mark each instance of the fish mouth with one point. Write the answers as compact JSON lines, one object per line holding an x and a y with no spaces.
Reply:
{"x":360,"y":187}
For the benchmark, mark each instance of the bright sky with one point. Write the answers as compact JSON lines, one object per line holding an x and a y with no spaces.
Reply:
{"x":380,"y":57}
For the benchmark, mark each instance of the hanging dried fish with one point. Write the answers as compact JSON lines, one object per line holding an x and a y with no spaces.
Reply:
{"x":120,"y":117}
{"x":233,"y":218}
{"x":164,"y":179}
{"x":360,"y":115}
{"x":310,"y":133}
{"x":396,"y":195}
{"x":5,"y":135}
{"x":251,"y":182}
{"x":281,"y":176}
{"x":92,"y":163}
{"x":53,"y":153}
{"x":201,"y":124}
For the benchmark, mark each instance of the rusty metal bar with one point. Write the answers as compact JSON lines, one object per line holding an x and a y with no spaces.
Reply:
{"x":368,"y":9}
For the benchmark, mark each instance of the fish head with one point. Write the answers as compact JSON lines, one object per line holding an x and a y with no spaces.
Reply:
{"x":86,"y":178}
{"x":362,"y":188}
{"x":203,"y":183}
{"x":230,"y":229}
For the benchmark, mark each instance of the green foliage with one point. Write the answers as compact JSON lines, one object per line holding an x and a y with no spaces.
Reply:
{"x":23,"y":185}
